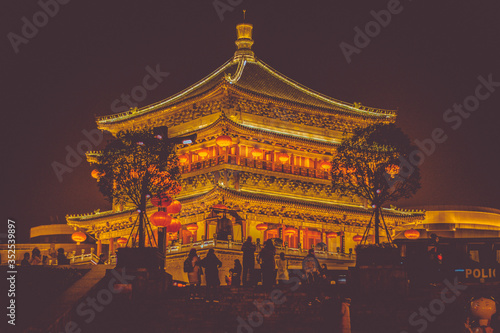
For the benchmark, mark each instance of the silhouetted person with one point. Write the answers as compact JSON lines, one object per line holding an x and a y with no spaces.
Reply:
{"x":102,"y":259}
{"x":36,"y":257}
{"x":236,"y":273}
{"x":345,"y":323}
{"x":26,"y":260}
{"x":268,"y":265}
{"x":212,"y":265}
{"x":61,"y":257}
{"x":311,"y":267}
{"x":282,"y":269}
{"x":194,"y":275}
{"x":248,"y":249}
{"x":324,"y":276}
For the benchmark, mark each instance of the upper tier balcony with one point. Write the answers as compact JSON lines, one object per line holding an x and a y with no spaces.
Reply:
{"x":274,"y":166}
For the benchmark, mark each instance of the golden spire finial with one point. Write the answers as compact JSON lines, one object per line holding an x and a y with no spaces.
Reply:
{"x":244,"y":41}
{"x":244,"y":11}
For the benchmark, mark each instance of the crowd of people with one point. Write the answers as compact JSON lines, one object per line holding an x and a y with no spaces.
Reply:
{"x":37,"y":259}
{"x":272,"y":271}
{"x":315,"y":277}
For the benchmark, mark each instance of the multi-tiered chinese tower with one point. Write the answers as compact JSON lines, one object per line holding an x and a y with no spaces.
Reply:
{"x":260,"y":164}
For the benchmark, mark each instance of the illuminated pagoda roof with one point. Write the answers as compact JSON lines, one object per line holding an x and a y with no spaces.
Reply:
{"x":247,"y":77}
{"x":256,"y":203}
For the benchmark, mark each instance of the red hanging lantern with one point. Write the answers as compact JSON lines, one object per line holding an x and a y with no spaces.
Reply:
{"x":290,"y":231}
{"x":174,"y":208}
{"x":272,"y":233}
{"x":78,"y":237}
{"x":283,"y":157}
{"x":174,"y":226}
{"x":224,"y":141}
{"x":357,"y":238}
{"x":203,"y":152}
{"x":192,"y":228}
{"x":325,"y":165}
{"x":183,"y":158}
{"x":122,"y":241}
{"x":161,"y":200}
{"x":412,"y":234}
{"x":256,"y":152}
{"x":160,"y":219}
{"x":331,"y":235}
{"x":97,"y":174}
{"x":262,"y":227}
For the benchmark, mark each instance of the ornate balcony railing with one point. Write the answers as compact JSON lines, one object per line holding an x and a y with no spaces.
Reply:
{"x":236,"y":246}
{"x":256,"y":164}
{"x":86,"y":258}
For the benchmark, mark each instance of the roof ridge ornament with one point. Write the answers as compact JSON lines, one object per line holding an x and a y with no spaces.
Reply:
{"x":239,"y":71}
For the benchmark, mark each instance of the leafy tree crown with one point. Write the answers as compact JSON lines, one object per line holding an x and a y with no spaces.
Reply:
{"x":135,"y":164}
{"x":368,"y":164}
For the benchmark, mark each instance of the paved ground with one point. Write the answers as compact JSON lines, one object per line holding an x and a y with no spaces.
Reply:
{"x":248,"y":310}
{"x":238,"y":311}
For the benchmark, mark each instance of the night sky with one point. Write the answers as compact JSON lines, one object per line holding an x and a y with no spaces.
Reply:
{"x":425,"y":60}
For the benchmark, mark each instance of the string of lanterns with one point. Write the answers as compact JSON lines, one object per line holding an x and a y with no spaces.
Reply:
{"x":163,"y":217}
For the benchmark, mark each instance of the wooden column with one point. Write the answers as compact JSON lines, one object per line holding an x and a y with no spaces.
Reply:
{"x":301,"y":238}
{"x":111,"y":246}
{"x":306,"y":239}
{"x":206,"y":229}
{"x":244,"y":230}
{"x":99,"y":247}
{"x":342,"y":242}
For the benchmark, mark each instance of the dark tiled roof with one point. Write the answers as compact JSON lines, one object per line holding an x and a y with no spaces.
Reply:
{"x":257,"y":78}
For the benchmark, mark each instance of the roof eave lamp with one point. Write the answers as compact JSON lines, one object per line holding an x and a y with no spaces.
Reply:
{"x":256,"y":153}
{"x":183,"y":159}
{"x":203,"y":152}
{"x":283,"y":158}
{"x":224,"y":141}
{"x":262,"y":227}
{"x":192,"y":228}
{"x":290,"y":232}
{"x":325,"y":165}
